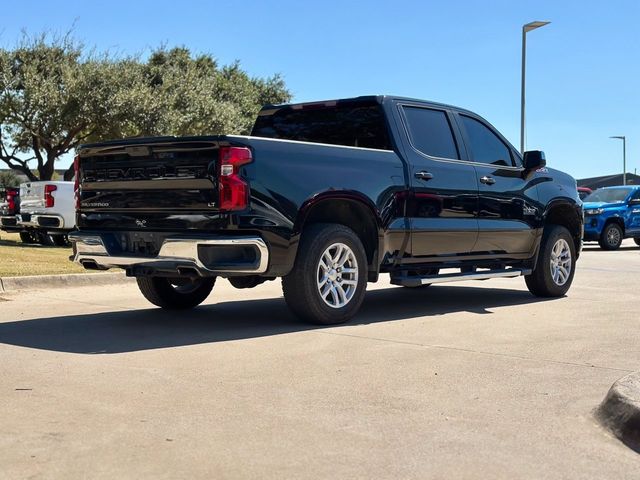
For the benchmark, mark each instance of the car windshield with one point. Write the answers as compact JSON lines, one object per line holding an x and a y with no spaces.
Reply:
{"x":609,"y":195}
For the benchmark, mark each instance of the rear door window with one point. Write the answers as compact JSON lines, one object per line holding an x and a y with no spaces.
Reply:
{"x":485,"y":146}
{"x":353,"y":124}
{"x":430,"y":132}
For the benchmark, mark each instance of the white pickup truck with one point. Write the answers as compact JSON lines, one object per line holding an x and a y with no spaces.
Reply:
{"x":47,"y":211}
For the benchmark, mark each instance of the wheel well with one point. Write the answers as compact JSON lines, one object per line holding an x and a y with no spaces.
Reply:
{"x":568,"y":217}
{"x":353,"y":214}
{"x":617,"y":220}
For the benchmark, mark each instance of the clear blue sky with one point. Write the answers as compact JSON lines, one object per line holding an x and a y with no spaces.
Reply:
{"x":583,"y":69}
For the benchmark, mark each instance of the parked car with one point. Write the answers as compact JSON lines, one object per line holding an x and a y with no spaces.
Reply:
{"x":47,"y":211}
{"x":584,"y":192}
{"x":9,"y":207}
{"x":328,"y":195}
{"x":612,"y":214}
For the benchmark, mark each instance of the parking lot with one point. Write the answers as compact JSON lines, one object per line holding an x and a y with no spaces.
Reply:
{"x":469,"y":380}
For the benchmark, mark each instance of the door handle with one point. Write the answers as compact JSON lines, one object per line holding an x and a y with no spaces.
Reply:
{"x":423,"y":175}
{"x":487,"y":180}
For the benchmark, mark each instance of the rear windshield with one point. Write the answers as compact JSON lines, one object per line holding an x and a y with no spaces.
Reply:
{"x":353,"y":124}
{"x":609,"y":195}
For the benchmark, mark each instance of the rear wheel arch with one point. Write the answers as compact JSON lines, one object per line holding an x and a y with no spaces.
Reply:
{"x":351,"y":211}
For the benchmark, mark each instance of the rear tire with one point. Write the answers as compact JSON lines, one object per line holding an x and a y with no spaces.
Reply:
{"x":27,"y":237}
{"x":329,"y":278}
{"x":175,"y":293}
{"x":555,"y":267}
{"x":611,"y":237}
{"x":60,"y":240}
{"x":45,"y":239}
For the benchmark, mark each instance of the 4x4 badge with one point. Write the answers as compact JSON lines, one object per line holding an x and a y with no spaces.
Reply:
{"x":141,"y":223}
{"x":528,"y":210}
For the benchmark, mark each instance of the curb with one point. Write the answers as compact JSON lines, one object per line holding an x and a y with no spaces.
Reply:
{"x":11,"y":284}
{"x":620,"y":410}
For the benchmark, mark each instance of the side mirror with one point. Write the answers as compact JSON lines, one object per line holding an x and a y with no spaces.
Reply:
{"x":534,"y":159}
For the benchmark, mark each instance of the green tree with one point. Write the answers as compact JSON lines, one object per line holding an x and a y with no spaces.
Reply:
{"x":182,"y":94}
{"x":54,"y":95}
{"x":9,"y":179}
{"x":51,"y":99}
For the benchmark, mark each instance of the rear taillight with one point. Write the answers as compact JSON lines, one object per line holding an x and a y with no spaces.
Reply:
{"x":76,"y":183}
{"x":234,"y":190}
{"x":11,"y":201}
{"x":49,"y":201}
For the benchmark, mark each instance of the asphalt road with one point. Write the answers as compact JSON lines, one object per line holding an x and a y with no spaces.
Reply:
{"x":470,"y":380}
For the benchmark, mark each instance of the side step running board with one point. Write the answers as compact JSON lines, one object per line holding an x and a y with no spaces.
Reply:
{"x":412,"y":281}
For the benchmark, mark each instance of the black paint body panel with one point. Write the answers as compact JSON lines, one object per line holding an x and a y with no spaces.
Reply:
{"x":170,"y":184}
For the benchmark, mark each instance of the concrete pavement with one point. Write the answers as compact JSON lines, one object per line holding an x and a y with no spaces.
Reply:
{"x":9,"y":284}
{"x":469,"y":380}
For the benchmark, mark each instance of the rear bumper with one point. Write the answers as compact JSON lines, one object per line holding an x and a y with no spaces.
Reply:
{"x":55,"y":222}
{"x":9,"y":224}
{"x":8,"y":221}
{"x":179,"y":255}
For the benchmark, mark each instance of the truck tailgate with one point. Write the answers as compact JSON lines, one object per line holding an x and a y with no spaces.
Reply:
{"x":32,"y":196}
{"x":149,"y":175}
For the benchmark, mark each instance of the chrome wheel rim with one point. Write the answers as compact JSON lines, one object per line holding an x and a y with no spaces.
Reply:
{"x":613,"y":236}
{"x":560,"y":262}
{"x":337,"y":275}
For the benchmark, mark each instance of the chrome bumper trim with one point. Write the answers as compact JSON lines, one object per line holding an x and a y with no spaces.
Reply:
{"x":5,"y":221}
{"x":175,"y":251}
{"x":35,"y":221}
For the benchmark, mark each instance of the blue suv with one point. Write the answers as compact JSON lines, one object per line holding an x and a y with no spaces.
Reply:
{"x":612,"y":214}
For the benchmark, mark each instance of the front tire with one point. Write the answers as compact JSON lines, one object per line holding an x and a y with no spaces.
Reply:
{"x":175,"y":293}
{"x":611,"y":237}
{"x":554,"y":270}
{"x":329,"y":278}
{"x":637,"y":240}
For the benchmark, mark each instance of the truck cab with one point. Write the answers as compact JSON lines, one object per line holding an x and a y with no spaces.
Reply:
{"x":612,"y":214}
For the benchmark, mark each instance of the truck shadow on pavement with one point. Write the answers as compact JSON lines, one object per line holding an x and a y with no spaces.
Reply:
{"x":136,"y":330}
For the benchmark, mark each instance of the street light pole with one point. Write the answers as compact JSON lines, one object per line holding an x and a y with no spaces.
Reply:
{"x":525,"y":28}
{"x":624,"y":157}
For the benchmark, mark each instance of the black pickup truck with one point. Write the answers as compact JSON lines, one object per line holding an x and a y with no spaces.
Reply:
{"x":327,"y":195}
